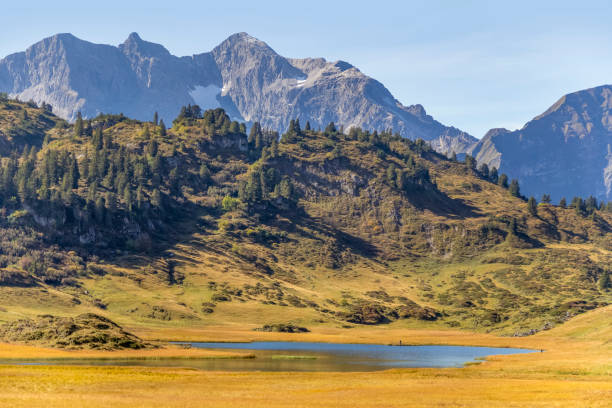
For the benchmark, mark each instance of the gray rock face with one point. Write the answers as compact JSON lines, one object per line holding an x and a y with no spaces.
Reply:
{"x":566,"y":151}
{"x":243,"y":75}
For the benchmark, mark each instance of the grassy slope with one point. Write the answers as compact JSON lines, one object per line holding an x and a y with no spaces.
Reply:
{"x":435,"y":255}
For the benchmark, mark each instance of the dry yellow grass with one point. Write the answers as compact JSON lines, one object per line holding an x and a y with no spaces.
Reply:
{"x":138,"y":387}
{"x":575,"y":371}
{"x":15,"y":351}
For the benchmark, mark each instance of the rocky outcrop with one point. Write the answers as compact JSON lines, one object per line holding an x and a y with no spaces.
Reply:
{"x":243,"y":75}
{"x":566,"y":151}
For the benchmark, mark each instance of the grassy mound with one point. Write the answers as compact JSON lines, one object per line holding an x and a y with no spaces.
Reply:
{"x":85,"y":331}
{"x":283,"y":328}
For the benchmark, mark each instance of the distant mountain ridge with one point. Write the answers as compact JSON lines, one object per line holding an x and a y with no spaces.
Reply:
{"x":566,"y":151}
{"x":242,"y":74}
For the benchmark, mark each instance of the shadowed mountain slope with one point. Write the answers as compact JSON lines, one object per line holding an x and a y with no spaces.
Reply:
{"x":566,"y":151}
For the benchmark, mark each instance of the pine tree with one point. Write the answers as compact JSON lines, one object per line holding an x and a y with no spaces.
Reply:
{"x":532,"y":206}
{"x":307,"y":126}
{"x":493,"y":175}
{"x":391,"y":175}
{"x":514,"y":188}
{"x":234,"y":127}
{"x":100,"y":211}
{"x":253,"y":134}
{"x":563,"y":202}
{"x":152,"y":148}
{"x":74,"y":173}
{"x":162,"y":128}
{"x":107,"y":141}
{"x":484,"y":170}
{"x":503,"y":180}
{"x":139,"y":196}
{"x":331,"y":129}
{"x":155,"y":119}
{"x":286,"y":189}
{"x":97,"y":139}
{"x":111,"y":208}
{"x":92,"y":191}
{"x":470,"y":162}
{"x":128,"y":199}
{"x":274,"y":149}
{"x":259,"y":141}
{"x":78,"y":125}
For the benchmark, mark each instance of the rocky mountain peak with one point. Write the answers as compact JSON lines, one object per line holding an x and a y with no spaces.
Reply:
{"x":243,"y":75}
{"x":136,"y":45}
{"x":55,"y":44}
{"x":244,"y":39}
{"x":562,"y":151}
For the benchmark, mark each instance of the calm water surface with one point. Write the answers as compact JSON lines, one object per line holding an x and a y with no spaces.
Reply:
{"x":300,"y":356}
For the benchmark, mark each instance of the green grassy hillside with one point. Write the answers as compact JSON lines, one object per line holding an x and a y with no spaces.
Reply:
{"x":202,"y":225}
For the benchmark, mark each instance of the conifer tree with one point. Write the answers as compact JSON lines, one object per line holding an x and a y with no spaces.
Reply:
{"x":254,"y":133}
{"x":128,"y":199}
{"x":286,"y":189}
{"x":493,"y":175}
{"x":274,"y":149}
{"x":139,"y":197}
{"x":532,"y":206}
{"x":514,"y":188}
{"x":503,"y":180}
{"x":234,"y":127}
{"x":74,"y":173}
{"x":100,"y":210}
{"x":78,"y":125}
{"x":470,"y":162}
{"x":484,"y":170}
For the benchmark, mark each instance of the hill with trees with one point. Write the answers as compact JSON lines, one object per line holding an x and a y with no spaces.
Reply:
{"x":199,"y":223}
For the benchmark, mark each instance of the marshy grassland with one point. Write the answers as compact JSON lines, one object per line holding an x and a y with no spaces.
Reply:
{"x":575,"y":370}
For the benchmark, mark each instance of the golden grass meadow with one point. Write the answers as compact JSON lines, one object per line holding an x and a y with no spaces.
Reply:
{"x":575,"y":370}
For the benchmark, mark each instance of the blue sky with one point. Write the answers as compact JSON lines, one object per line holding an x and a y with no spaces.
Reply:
{"x":473,"y":64}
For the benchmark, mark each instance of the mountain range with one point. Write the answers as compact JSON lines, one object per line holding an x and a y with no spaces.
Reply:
{"x":565,"y":151}
{"x":243,"y":75}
